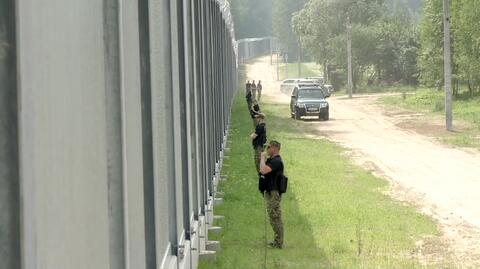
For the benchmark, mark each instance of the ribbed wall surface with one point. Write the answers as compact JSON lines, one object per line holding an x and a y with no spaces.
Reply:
{"x":113,"y":120}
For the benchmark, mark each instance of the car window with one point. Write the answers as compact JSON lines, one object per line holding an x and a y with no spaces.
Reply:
{"x":288,"y":81}
{"x":311,"y":94}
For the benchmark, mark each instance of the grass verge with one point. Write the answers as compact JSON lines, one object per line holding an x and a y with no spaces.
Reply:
{"x":336,"y":214}
{"x":466,"y":111}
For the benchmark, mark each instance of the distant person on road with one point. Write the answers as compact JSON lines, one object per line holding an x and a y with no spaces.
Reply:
{"x":259,"y":90}
{"x":253,"y":89}
{"x":271,"y":169}
{"x":259,"y":138}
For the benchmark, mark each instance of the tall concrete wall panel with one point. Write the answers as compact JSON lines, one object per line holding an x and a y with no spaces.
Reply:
{"x":9,"y":177}
{"x":113,"y":123}
{"x":62,"y":124}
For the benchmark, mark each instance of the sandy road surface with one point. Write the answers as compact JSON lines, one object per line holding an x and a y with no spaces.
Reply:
{"x":442,"y":181}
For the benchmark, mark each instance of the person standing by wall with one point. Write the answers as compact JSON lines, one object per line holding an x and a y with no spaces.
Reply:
{"x":253,"y":89}
{"x":259,"y":90}
{"x":255,"y":112}
{"x":271,"y":169}
{"x":248,"y":95}
{"x":259,"y":138}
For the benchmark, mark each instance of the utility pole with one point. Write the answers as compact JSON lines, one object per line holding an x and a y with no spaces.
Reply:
{"x":349,"y":56}
{"x":299,"y":60}
{"x":271,"y":56}
{"x":278,"y":65}
{"x":447,"y":65}
{"x":285,"y":60}
{"x":271,"y":51}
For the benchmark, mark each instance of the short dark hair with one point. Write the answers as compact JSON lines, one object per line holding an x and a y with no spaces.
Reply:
{"x":276,"y":144}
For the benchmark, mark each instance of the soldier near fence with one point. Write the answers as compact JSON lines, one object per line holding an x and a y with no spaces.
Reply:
{"x":259,"y":138}
{"x":255,"y":112}
{"x":253,"y":90}
{"x":259,"y":90}
{"x":271,"y":169}
{"x":248,"y":95}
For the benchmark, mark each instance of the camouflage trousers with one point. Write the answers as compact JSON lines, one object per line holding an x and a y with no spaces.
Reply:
{"x":258,"y":152}
{"x":273,"y":200}
{"x":259,"y":95}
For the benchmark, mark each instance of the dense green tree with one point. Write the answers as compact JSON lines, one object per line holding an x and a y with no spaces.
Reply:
{"x":430,"y":57}
{"x":384,"y":39}
{"x":466,"y":25}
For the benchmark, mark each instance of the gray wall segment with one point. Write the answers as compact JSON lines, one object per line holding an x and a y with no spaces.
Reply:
{"x":178,"y":93}
{"x":162,"y":106}
{"x":114,"y":126}
{"x":121,"y":123}
{"x":62,"y":166}
{"x":9,"y":174}
{"x":202,"y":102}
{"x":197,"y":105}
{"x":135,"y":251}
{"x":190,"y":115}
{"x":147,"y":137}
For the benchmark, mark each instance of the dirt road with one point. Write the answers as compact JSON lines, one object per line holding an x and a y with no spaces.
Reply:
{"x":442,"y":181}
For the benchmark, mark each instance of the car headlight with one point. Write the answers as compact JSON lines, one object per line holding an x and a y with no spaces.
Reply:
{"x":301,"y":105}
{"x":323,"y":105}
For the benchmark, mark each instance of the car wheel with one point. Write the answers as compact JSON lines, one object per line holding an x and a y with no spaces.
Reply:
{"x":325,"y":116}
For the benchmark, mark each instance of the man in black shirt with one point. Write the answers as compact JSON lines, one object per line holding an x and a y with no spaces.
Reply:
{"x":271,"y":168}
{"x":259,"y":138}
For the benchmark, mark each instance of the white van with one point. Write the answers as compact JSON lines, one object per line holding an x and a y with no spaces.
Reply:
{"x":287,"y":85}
{"x":318,"y":80}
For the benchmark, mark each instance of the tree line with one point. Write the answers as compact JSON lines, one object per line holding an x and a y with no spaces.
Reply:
{"x":385,"y":39}
{"x":465,"y":34}
{"x":393,"y":42}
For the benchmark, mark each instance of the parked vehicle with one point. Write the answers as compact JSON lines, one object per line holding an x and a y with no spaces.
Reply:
{"x":317,"y":80}
{"x":329,"y":88}
{"x":309,"y":100}
{"x":287,"y":85}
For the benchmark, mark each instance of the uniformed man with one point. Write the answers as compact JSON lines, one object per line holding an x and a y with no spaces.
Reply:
{"x":259,"y":90}
{"x":259,"y":138}
{"x":271,"y":169}
{"x":248,"y":95}
{"x":253,"y":89}
{"x":255,"y":112}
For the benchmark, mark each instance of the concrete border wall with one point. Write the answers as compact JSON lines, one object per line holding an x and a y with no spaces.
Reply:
{"x":114,"y":118}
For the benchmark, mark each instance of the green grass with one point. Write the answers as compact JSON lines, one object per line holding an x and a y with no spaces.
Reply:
{"x":336,"y":214}
{"x":309,"y":69}
{"x":431,"y":101}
